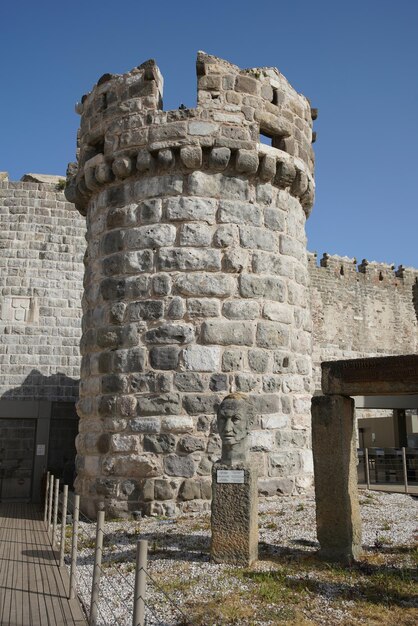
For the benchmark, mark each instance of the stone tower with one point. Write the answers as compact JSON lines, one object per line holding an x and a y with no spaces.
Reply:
{"x":196,"y":283}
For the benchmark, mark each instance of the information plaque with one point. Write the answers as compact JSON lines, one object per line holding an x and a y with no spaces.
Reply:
{"x":230,"y":476}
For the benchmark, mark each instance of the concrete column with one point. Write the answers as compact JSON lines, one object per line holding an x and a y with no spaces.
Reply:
{"x":335,"y":469}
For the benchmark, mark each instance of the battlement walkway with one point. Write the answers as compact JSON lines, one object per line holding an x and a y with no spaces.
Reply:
{"x":33,"y":589}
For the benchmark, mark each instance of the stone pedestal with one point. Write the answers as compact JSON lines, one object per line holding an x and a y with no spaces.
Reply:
{"x":335,"y":469}
{"x":234,"y":514}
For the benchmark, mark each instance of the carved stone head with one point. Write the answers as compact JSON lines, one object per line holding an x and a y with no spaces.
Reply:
{"x":235,"y":419}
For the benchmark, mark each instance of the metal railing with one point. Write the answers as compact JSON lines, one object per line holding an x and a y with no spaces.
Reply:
{"x":108,"y":596}
{"x":390,"y":466}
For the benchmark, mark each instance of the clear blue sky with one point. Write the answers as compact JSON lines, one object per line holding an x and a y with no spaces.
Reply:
{"x":356,"y":60}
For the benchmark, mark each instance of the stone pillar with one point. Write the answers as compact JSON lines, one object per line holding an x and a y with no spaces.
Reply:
{"x":196,"y":283}
{"x":234,"y":521}
{"x":335,"y":467}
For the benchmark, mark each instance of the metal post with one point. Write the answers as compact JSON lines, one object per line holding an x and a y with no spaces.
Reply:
{"x":51,"y":494}
{"x":140,"y":583}
{"x":56,"y":502}
{"x":46,"y":498}
{"x":366,"y":466}
{"x":74,"y":546}
{"x":63,"y":523}
{"x":405,"y":471}
{"x":94,"y":604}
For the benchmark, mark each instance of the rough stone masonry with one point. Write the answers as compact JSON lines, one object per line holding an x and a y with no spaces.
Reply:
{"x":196,"y":283}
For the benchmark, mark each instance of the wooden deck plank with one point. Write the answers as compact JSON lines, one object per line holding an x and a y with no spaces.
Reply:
{"x":33,"y":589}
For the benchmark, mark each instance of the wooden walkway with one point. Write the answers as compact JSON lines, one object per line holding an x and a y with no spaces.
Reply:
{"x":33,"y":589}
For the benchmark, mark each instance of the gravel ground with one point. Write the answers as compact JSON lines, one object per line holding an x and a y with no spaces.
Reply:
{"x":178,"y":560}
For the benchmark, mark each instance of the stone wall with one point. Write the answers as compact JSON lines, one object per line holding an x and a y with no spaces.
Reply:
{"x":42,"y":245}
{"x":358,"y":311}
{"x":196,"y":283}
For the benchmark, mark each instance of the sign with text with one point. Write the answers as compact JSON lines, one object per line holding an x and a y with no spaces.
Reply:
{"x":230,"y":476}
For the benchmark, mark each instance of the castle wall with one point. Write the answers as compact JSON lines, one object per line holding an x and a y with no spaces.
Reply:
{"x":42,"y":245}
{"x":369,"y":310}
{"x":196,"y":284}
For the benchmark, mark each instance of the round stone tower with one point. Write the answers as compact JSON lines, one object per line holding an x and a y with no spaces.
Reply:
{"x":196,"y":283}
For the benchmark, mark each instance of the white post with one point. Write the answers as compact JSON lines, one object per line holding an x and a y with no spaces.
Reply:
{"x":56,"y":502}
{"x":46,"y":498}
{"x":366,"y":466}
{"x":95,"y":588}
{"x":140,"y":583}
{"x":51,"y":495}
{"x":63,"y":523}
{"x":405,"y":470}
{"x":74,"y":547}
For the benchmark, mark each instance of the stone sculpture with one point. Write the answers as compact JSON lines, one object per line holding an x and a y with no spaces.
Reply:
{"x":235,"y":419}
{"x":234,"y":486}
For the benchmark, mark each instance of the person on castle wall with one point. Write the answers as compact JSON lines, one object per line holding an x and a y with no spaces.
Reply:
{"x":235,"y":419}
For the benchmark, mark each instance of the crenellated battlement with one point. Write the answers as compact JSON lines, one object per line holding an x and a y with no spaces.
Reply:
{"x":367,"y":271}
{"x":124,"y":133}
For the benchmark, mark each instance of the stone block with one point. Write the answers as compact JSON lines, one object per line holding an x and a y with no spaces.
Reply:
{"x":284,"y":464}
{"x":175,"y":465}
{"x":136,"y":465}
{"x":246,"y":161}
{"x":144,"y":161}
{"x":158,"y":186}
{"x":202,"y":128}
{"x":164,"y":357}
{"x":262,"y":441}
{"x":161,"y":284}
{"x":165,"y":158}
{"x":218,"y":382}
{"x":191,"y":156}
{"x":258,"y":360}
{"x":195,"y":234}
{"x":170,"y":334}
{"x":188,"y":381}
{"x":190,"y":490}
{"x":177,"y":424}
{"x":160,"y":444}
{"x":239,"y":213}
{"x":232,"y":360}
{"x":164,"y":489}
{"x":150,"y":211}
{"x":205,"y":285}
{"x":219,"y":158}
{"x":176,"y":308}
{"x":245,"y":383}
{"x":262,"y":287}
{"x":226,"y":235}
{"x":150,"y":236}
{"x":278,"y":312}
{"x":240,"y":309}
{"x":158,"y":404}
{"x":189,"y":259}
{"x":190,"y":444}
{"x":203,"y":307}
{"x":191,"y":209}
{"x":202,"y":358}
{"x":257,"y":238}
{"x":276,"y":486}
{"x":195,"y":404}
{"x":145,"y":310}
{"x":235,"y":260}
{"x":271,"y":422}
{"x":228,"y":333}
{"x":272,"y":335}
